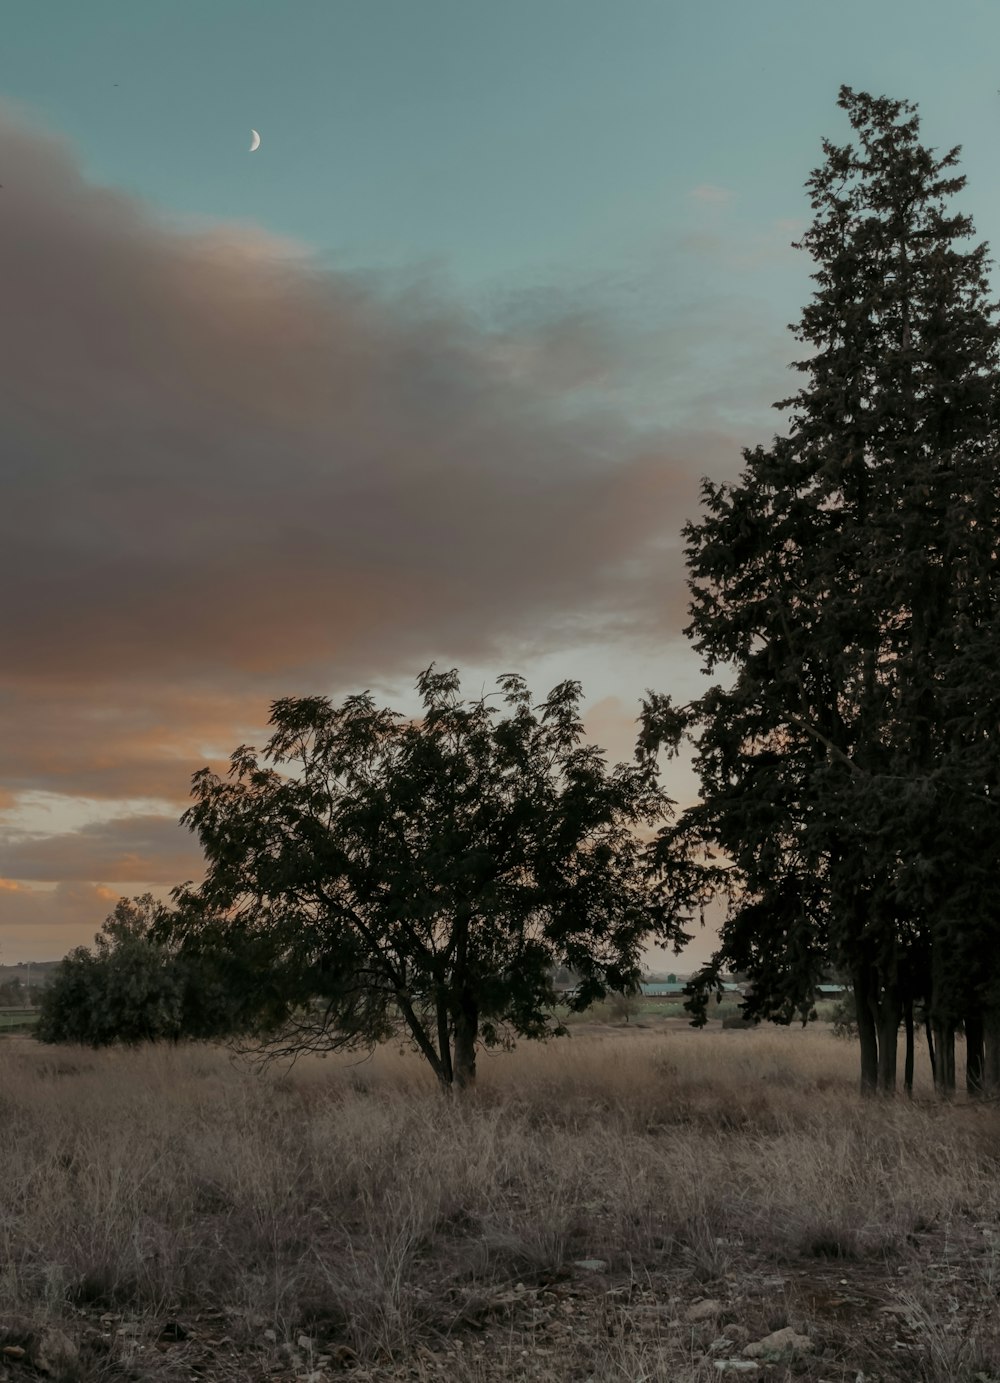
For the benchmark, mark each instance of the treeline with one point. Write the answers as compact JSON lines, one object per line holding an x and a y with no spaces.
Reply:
{"x":850,"y":582}
{"x":137,"y":984}
{"x":370,"y":877}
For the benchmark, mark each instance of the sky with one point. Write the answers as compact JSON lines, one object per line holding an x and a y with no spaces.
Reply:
{"x":433,"y":375}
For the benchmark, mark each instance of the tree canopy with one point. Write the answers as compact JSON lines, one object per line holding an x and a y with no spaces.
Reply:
{"x":849,"y":582}
{"x":134,"y":986}
{"x":424,"y":878}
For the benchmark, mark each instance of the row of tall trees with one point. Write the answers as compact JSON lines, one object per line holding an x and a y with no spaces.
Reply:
{"x":849,"y":583}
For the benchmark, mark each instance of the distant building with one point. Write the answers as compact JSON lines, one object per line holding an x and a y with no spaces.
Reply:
{"x":672,"y":989}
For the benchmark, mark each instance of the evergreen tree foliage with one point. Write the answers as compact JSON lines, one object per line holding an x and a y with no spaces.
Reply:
{"x":849,"y":582}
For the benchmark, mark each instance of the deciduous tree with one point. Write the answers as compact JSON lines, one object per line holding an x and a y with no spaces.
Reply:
{"x":424,"y":878}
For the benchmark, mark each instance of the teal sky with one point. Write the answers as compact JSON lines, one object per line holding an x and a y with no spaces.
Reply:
{"x":495,"y":141}
{"x":592,"y":199}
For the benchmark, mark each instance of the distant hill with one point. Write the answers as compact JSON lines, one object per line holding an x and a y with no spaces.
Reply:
{"x":30,"y":972}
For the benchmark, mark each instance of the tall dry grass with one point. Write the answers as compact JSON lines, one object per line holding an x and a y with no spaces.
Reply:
{"x":353,"y":1202}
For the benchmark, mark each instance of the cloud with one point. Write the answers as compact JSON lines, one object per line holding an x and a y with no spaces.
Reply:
{"x":612,"y":725}
{"x":12,"y":886}
{"x":112,"y":741}
{"x":231,"y":473}
{"x":45,"y":923}
{"x":218,"y":454}
{"x":147,"y":848}
{"x":741,"y":250}
{"x":710,"y":195}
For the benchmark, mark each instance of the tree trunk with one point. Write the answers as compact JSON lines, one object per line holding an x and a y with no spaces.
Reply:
{"x":908,"y":1061}
{"x":466,"y":1033}
{"x":446,"y":1074}
{"x":888,"y":1041}
{"x":866,"y":1032}
{"x":944,"y":1057}
{"x":930,"y":1045}
{"x":974,"y":1053}
{"x":420,"y":1036}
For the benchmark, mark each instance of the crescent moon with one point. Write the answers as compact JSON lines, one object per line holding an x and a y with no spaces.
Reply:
{"x":255,"y":141}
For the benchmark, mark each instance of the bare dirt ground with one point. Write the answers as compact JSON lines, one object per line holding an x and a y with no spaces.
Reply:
{"x":635,"y":1203}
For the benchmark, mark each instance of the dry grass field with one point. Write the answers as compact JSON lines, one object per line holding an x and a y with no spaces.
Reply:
{"x":624,"y":1204}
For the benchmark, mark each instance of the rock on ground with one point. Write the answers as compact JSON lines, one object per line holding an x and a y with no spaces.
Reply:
{"x":53,"y":1352}
{"x":780,"y":1342}
{"x":703,"y":1310}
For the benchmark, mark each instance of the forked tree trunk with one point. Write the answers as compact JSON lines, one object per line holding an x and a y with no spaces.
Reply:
{"x":974,"y":1054}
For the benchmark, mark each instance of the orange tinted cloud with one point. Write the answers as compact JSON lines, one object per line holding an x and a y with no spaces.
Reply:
{"x":117,"y":741}
{"x":45,"y":923}
{"x":219,"y":454}
{"x":230,"y":474}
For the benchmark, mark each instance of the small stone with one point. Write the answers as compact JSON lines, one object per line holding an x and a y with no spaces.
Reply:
{"x":591,"y":1265}
{"x":271,"y":1336}
{"x":304,"y":1342}
{"x":764,"y":1285}
{"x":14,"y":1352}
{"x":703,"y":1310}
{"x":53,"y":1352}
{"x":737,"y":1366}
{"x":739,"y":1334}
{"x":780,"y":1342}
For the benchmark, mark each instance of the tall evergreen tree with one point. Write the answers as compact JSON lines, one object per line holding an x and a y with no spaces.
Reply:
{"x":850,"y":581}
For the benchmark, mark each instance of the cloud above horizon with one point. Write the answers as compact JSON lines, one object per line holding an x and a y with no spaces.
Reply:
{"x":231,"y":472}
{"x":153,"y":849}
{"x":219,"y":454}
